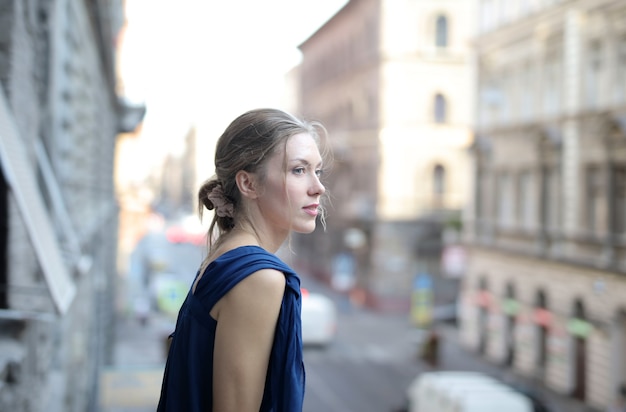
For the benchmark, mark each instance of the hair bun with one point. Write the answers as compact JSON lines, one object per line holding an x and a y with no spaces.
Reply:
{"x":213,"y":197}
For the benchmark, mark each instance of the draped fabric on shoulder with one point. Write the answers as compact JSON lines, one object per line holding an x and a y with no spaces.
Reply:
{"x":188,"y":379}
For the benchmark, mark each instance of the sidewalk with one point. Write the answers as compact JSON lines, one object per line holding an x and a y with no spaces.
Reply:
{"x":133,"y":382}
{"x":454,"y":357}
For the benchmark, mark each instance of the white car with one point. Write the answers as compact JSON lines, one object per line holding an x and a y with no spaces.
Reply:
{"x":319,"y":319}
{"x":460,"y":391}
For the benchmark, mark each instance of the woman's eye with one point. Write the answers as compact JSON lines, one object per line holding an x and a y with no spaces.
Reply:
{"x":319,"y":172}
{"x":298,"y":170}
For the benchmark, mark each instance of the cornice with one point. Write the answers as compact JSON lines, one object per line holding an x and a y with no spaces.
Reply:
{"x":538,"y":25}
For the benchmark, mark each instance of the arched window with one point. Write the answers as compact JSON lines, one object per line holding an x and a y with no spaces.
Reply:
{"x":441,"y":32}
{"x":439,"y":180}
{"x":440,"y":109}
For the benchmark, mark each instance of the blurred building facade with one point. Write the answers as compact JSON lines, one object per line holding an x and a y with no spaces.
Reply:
{"x":544,"y":292}
{"x":390,"y":81}
{"x":178,"y":185}
{"x":59,"y":118}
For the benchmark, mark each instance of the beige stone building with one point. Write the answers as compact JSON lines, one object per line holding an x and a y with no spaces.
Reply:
{"x":545,"y":292}
{"x":390,"y":80}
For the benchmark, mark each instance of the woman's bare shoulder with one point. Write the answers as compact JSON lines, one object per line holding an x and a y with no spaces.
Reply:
{"x":265,"y":282}
{"x":257,"y":297}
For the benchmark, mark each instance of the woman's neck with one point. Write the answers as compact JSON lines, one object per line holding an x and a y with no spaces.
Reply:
{"x":245,"y":235}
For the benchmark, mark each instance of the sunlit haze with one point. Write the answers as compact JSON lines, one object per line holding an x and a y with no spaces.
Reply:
{"x":196,"y":62}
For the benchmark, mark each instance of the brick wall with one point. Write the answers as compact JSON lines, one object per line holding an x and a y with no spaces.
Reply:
{"x":60,"y":92}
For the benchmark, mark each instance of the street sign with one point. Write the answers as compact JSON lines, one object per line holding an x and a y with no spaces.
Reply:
{"x":422,"y":300}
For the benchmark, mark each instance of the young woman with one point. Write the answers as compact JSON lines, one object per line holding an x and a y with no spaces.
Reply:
{"x":237,"y":345}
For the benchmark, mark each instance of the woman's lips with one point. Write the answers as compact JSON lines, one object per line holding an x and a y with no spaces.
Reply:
{"x":312,"y":210}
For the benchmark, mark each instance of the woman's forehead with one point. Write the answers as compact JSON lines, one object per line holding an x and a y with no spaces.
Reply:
{"x":302,"y":145}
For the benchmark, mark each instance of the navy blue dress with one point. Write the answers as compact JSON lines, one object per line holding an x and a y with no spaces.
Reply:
{"x":188,"y":378}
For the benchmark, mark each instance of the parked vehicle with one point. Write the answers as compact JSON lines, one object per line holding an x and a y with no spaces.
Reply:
{"x":319,"y":319}
{"x":447,"y":313}
{"x":540,"y":404}
{"x":493,"y":402}
{"x":426,"y":390}
{"x":188,"y":229}
{"x":452,"y":391}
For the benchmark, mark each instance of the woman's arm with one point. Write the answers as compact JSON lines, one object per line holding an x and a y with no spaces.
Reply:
{"x":246,"y":322}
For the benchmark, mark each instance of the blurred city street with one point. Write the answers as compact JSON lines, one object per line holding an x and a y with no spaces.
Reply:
{"x":367,"y":368}
{"x":476,"y":175}
{"x":133,"y":382}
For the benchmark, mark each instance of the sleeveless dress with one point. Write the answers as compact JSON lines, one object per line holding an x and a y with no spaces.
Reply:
{"x":188,"y":378}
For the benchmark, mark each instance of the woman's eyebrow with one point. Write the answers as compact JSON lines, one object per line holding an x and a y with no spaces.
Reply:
{"x":303,"y":161}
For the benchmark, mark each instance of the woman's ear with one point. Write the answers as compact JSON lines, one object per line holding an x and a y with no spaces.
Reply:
{"x":247,"y":184}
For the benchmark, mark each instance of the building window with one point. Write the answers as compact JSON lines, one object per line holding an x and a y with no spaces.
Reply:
{"x":619,"y":192}
{"x":441,"y":32}
{"x":439,"y":180}
{"x":511,"y":309}
{"x":506,"y":99}
{"x":441,"y":108}
{"x":620,"y":89}
{"x":505,"y":200}
{"x":579,"y":328}
{"x":594,"y":199}
{"x":542,"y":321}
{"x":479,"y":190}
{"x":527,"y":91}
{"x":517,"y":79}
{"x":439,"y":186}
{"x":526,"y":200}
{"x":552,"y":198}
{"x":594,"y":73}
{"x":551,"y":90}
{"x":484,"y":301}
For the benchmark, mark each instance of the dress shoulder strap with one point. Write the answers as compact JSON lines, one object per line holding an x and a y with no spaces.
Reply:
{"x":232,"y":267}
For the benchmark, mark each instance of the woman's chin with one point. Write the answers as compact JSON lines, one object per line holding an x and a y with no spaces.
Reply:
{"x":308,"y":228}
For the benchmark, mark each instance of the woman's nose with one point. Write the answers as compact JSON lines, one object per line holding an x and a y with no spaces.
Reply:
{"x":318,"y":188}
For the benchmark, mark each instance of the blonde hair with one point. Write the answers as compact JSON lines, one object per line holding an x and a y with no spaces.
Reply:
{"x":246,"y":144}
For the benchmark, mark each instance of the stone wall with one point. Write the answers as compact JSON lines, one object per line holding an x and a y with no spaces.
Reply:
{"x":56,"y":72}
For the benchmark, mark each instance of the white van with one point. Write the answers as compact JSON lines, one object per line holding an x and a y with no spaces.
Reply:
{"x":454,"y":394}
{"x":451,"y":391}
{"x":425,"y":392}
{"x":492,"y":402}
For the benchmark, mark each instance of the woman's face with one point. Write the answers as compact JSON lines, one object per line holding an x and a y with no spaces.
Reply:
{"x":290,"y":197}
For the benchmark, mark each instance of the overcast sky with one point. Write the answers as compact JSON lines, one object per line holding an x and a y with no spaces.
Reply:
{"x":200,"y":61}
